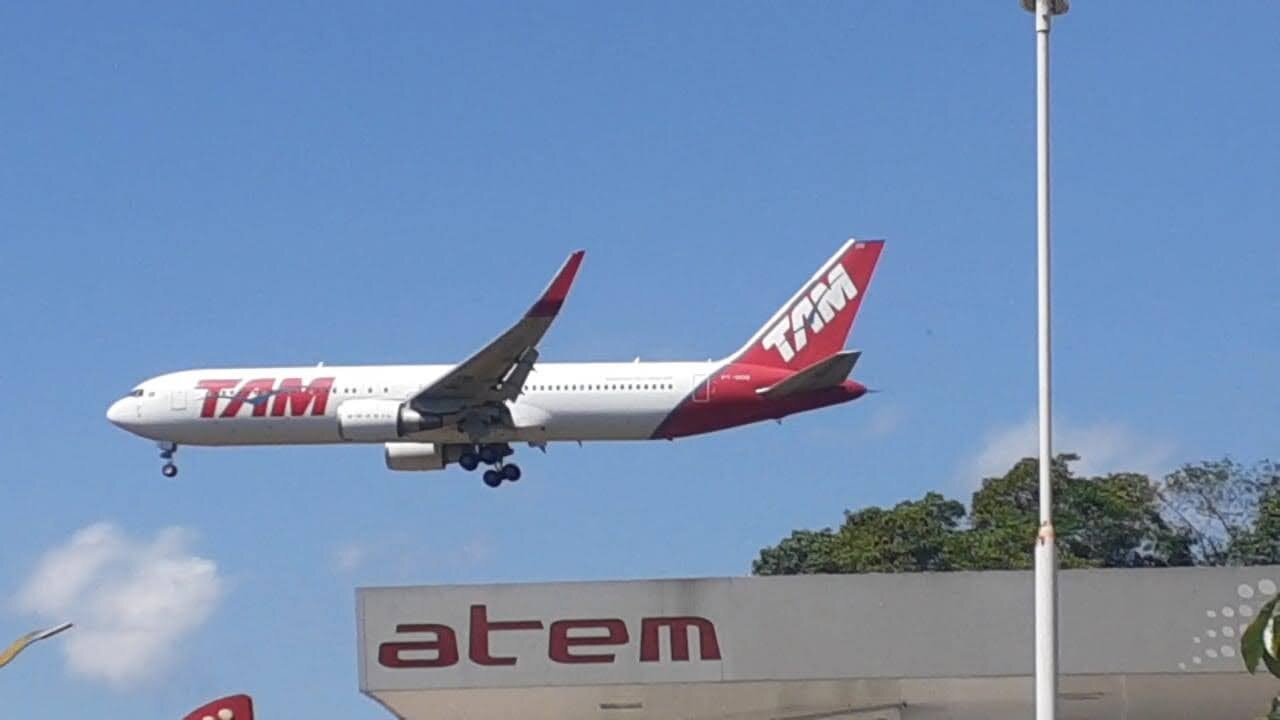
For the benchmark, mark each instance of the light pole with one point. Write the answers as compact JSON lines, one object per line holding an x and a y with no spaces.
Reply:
{"x":7,"y":655}
{"x":1046,"y":554}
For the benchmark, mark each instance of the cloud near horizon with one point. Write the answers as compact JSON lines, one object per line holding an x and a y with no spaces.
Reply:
{"x":1103,"y":447}
{"x":133,"y":600}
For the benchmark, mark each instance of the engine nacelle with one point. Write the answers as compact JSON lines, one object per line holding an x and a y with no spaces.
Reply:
{"x":422,"y":456}
{"x":381,"y":420}
{"x":414,"y":456}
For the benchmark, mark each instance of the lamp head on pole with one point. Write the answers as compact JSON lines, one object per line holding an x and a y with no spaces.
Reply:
{"x":1056,"y":7}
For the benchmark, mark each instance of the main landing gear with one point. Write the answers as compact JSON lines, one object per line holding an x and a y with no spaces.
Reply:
{"x":493,"y":454}
{"x":167,"y":450}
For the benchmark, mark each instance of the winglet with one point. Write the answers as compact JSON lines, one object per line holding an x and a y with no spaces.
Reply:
{"x":553,"y":297}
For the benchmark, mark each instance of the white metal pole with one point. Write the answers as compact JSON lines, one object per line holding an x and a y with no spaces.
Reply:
{"x":1046,"y":556}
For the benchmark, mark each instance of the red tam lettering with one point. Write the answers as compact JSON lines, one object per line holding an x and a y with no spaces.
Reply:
{"x":297,"y":399}
{"x":260,"y":387}
{"x":212,"y":389}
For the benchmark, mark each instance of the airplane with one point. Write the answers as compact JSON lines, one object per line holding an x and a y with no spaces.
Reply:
{"x":430,"y":416}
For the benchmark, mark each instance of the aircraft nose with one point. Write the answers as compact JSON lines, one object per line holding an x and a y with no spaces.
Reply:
{"x":119,"y":412}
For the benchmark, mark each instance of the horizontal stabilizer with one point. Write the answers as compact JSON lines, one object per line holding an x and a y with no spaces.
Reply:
{"x":827,"y":373}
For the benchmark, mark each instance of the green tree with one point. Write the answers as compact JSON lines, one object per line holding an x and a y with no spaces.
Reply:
{"x":805,"y":552}
{"x":914,"y":535}
{"x":1231,"y":512}
{"x":1107,"y":521}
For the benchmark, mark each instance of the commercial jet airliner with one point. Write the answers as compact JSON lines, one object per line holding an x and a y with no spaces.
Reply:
{"x":430,"y":416}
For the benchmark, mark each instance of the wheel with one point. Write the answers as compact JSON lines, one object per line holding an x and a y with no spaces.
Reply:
{"x":511,"y":472}
{"x":492,"y":478}
{"x":469,"y":461}
{"x":490,"y":454}
{"x":169,"y":470}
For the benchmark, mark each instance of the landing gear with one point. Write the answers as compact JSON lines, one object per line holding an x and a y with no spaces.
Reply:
{"x":167,"y":450}
{"x":494,"y":453}
{"x":509,"y":472}
{"x":491,"y":454}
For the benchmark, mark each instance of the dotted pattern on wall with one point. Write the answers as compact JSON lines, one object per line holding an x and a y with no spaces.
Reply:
{"x":1224,"y":625}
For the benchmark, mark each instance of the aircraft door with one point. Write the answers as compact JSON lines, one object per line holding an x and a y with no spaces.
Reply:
{"x":178,"y":400}
{"x":701,"y":388}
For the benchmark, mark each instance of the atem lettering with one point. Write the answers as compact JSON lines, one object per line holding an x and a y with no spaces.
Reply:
{"x":812,"y":312}
{"x":290,"y":397}
{"x":570,"y":642}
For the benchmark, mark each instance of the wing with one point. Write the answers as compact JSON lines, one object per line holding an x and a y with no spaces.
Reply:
{"x":498,"y":370}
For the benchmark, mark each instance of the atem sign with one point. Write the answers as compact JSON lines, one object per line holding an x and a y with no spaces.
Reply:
{"x":570,"y":641}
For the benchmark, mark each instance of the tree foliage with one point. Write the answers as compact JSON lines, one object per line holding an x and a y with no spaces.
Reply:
{"x":1230,"y":511}
{"x":1210,"y":513}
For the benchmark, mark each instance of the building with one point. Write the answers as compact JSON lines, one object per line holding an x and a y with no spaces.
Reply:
{"x":1135,"y":644}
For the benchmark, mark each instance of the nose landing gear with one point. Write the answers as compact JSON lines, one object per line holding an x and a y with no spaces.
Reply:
{"x":167,"y":450}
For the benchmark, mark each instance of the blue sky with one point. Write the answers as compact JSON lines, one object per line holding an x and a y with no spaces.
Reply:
{"x":192,"y":185}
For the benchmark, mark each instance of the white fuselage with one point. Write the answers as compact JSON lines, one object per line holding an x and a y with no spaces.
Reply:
{"x":300,"y":405}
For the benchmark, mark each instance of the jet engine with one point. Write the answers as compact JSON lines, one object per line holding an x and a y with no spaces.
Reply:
{"x":422,"y":456}
{"x":381,"y":420}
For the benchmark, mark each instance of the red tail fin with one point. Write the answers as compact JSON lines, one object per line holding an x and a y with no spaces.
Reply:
{"x":816,"y":321}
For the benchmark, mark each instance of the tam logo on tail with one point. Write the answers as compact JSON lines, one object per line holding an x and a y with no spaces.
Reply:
{"x":815,"y":323}
{"x":814,"y":312}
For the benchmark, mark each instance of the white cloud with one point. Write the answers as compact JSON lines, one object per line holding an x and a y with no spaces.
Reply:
{"x":886,"y":418}
{"x":132,"y":600}
{"x":409,"y":557}
{"x":1103,"y":447}
{"x":349,"y":557}
{"x":476,"y":551}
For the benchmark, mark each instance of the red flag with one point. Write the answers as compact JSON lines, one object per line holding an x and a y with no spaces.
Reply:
{"x":234,"y":707}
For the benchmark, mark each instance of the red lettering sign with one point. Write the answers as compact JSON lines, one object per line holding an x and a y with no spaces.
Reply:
{"x":444,"y":646}
{"x":678,"y":627}
{"x":565,"y":641}
{"x":480,"y":629}
{"x":615,"y":633}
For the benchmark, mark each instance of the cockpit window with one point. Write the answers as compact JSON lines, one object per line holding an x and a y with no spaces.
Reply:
{"x":136,"y":393}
